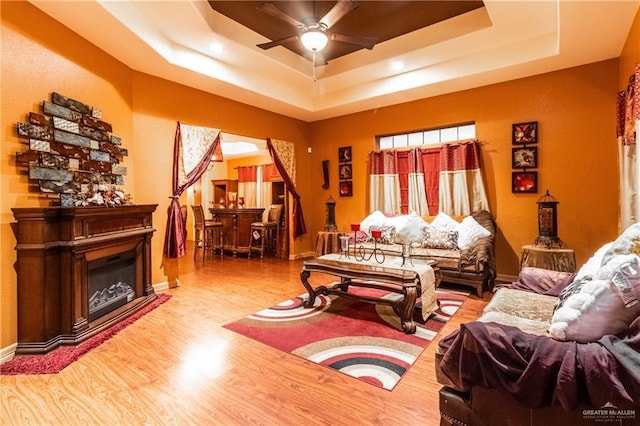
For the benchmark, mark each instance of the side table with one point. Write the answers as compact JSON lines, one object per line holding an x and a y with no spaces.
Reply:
{"x":555,"y":259}
{"x":327,"y":242}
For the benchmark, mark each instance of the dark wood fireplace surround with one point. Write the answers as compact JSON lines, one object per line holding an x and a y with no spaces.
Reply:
{"x":54,"y":248}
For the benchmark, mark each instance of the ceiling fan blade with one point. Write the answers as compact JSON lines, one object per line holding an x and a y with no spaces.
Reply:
{"x":279,"y":42}
{"x":366,"y":42}
{"x":271,"y":9}
{"x":337,"y":12}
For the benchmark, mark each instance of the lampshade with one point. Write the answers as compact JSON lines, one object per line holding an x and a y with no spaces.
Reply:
{"x":314,"y":40}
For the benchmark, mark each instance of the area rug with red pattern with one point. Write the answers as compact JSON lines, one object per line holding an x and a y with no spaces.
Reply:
{"x":357,"y":338}
{"x":56,"y":360}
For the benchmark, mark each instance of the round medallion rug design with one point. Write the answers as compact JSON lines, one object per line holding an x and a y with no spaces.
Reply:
{"x":360,"y":339}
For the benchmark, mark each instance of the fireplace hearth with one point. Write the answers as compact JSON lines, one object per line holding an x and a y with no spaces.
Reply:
{"x":80,"y":271}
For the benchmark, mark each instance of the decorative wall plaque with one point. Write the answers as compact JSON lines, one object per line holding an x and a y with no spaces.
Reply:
{"x":71,"y":152}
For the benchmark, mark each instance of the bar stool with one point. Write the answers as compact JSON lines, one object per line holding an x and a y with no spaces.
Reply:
{"x":267,"y":232}
{"x":206,"y":233}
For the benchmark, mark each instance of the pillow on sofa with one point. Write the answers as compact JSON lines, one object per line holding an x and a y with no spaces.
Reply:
{"x":627,"y":243}
{"x":470,"y":231}
{"x":438,"y":239}
{"x":377,"y":218}
{"x":387,"y":236}
{"x":444,"y":222}
{"x":587,"y":310}
{"x":411,"y":229}
{"x":593,"y":264}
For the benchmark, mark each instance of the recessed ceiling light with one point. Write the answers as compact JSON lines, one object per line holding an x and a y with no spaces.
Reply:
{"x":216,"y":47}
{"x":397,"y":65}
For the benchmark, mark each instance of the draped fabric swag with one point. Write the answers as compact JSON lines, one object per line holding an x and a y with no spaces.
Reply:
{"x":427,"y":180}
{"x":628,"y":128}
{"x":283,"y":156}
{"x":193,"y":149}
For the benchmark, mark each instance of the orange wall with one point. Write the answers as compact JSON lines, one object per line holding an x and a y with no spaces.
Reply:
{"x":40,"y":56}
{"x":630,"y":55}
{"x":575,"y":110}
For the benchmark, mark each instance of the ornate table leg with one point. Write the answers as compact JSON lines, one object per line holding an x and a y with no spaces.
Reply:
{"x":405,"y":308}
{"x":344,"y":284}
{"x":304,"y":277}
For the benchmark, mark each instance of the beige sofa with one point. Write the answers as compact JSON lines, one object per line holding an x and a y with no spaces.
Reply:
{"x":473,"y":266}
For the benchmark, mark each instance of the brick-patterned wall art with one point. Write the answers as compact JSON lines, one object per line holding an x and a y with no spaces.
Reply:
{"x":73,"y":153}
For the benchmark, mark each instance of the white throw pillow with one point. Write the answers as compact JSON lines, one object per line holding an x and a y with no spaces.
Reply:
{"x":377,"y":218}
{"x":444,"y":222}
{"x":470,"y":231}
{"x":627,"y":243}
{"x":411,"y":229}
{"x":587,"y":310}
{"x":396,"y":222}
{"x":593,"y":264}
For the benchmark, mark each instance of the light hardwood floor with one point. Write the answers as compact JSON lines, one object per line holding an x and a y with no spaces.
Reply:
{"x":179,"y":366}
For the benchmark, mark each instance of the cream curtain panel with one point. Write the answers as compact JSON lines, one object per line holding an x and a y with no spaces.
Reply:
{"x":416,"y":186}
{"x":628,"y":152}
{"x":384,"y":182}
{"x":461,"y":187}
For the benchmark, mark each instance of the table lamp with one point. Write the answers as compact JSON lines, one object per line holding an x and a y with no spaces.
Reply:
{"x":548,"y":221}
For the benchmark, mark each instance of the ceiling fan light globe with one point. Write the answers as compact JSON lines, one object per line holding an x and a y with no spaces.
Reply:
{"x":314,"y":40}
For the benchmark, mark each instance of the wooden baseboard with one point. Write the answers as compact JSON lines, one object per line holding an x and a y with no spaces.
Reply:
{"x":7,"y":353}
{"x":305,"y":255}
{"x":166,"y":285}
{"x":506,"y":279}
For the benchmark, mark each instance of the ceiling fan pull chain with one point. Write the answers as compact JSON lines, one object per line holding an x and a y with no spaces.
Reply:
{"x":313,"y":64}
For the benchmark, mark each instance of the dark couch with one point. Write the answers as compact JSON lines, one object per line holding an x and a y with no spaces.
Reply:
{"x":504,"y":368}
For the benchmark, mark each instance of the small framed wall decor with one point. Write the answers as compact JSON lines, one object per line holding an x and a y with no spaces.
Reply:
{"x":344,"y":154}
{"x":524,"y":182}
{"x":524,"y":158}
{"x":524,"y":133}
{"x":346,"y":188}
{"x":345,"y":171}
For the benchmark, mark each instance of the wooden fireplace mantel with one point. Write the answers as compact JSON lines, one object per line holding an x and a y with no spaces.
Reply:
{"x":54,"y":248}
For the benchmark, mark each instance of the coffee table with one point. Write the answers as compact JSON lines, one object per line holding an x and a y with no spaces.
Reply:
{"x":416,"y":279}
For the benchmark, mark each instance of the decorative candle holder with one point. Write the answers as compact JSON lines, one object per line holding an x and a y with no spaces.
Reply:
{"x":377,"y":253}
{"x":344,"y":246}
{"x":406,"y":253}
{"x":360,"y":252}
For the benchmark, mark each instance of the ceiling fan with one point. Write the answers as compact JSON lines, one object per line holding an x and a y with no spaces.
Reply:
{"x":314,"y":34}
